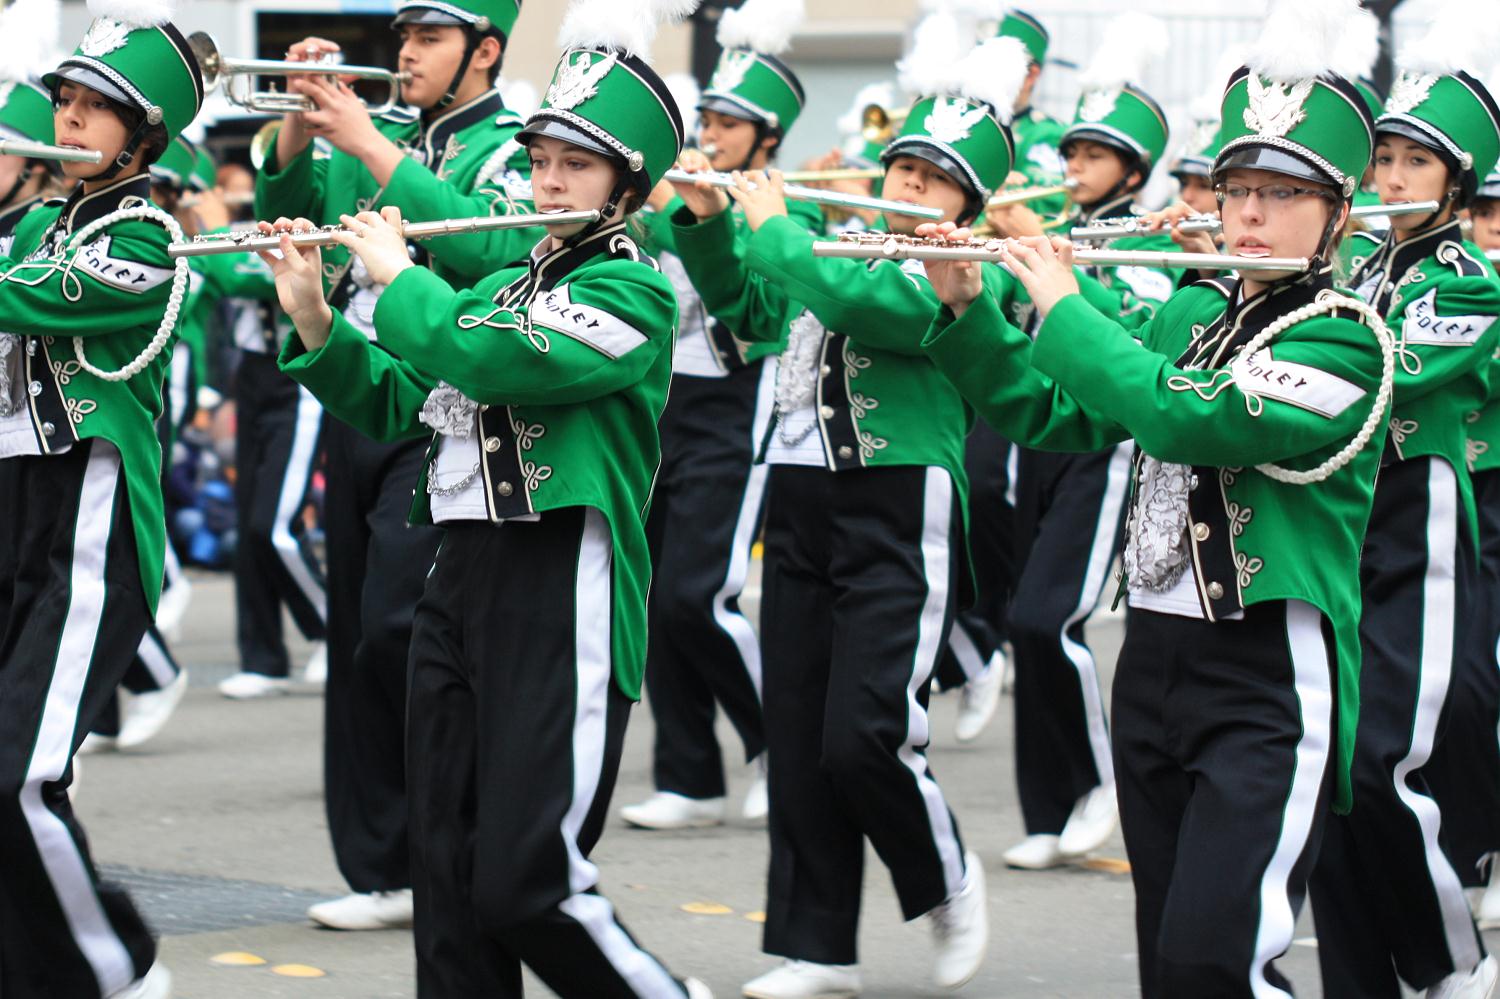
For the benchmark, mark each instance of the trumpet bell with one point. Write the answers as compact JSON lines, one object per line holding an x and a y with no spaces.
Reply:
{"x":210,"y":63}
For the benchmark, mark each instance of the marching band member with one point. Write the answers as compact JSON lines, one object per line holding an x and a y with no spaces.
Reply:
{"x":1038,"y":135}
{"x":706,"y":510}
{"x":89,"y":299}
{"x":865,"y":558}
{"x":544,"y":385}
{"x":1258,"y":408}
{"x":458,"y":157}
{"x":1070,"y":507}
{"x":1386,"y":896}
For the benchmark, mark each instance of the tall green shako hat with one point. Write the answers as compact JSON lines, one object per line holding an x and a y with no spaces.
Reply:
{"x":1197,"y":155}
{"x":750,"y":80}
{"x":1113,"y":109}
{"x":604,"y":95}
{"x":1294,"y":108}
{"x":479,"y":19}
{"x":28,"y":39}
{"x":174,"y":168}
{"x":960,"y":122}
{"x":1030,"y":31}
{"x":1437,"y":103}
{"x":133,"y":54}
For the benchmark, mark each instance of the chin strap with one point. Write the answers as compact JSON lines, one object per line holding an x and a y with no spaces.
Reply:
{"x":606,"y":214}
{"x":472,"y":39}
{"x":128,"y":154}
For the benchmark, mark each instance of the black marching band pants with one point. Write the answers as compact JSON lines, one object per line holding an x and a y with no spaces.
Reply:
{"x":73,"y":612}
{"x":1070,"y":511}
{"x":705,"y":517}
{"x":1386,"y":898}
{"x":980,"y":630}
{"x":276,"y":445}
{"x":377,"y":566}
{"x":514,"y":741}
{"x":1224,"y":747}
{"x":861,"y":569}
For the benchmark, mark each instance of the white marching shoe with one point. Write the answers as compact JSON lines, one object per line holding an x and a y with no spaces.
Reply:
{"x":1481,"y":982}
{"x":1487,"y":905}
{"x":961,"y":929}
{"x":1036,"y":853}
{"x":172,"y":608}
{"x":758,"y":799}
{"x":376,"y":910}
{"x":316,"y":670}
{"x":248,"y":686}
{"x":157,"y":984}
{"x":805,"y":980}
{"x":666,"y":810}
{"x":696,"y":989}
{"x":978,"y":699}
{"x":94,"y":744}
{"x":146,"y":714}
{"x":1093,"y":821}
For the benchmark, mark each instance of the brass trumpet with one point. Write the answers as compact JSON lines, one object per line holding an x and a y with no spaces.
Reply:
{"x":1021,"y":195}
{"x":218,"y":68}
{"x":847,"y":173}
{"x":42,"y":151}
{"x":879,"y":125}
{"x":885,"y":246}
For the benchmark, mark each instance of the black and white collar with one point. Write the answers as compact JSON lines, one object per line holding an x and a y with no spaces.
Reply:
{"x":1212,"y":346}
{"x":82,"y":209}
{"x":431,"y":141}
{"x":1380,"y":275}
{"x":546,"y":268}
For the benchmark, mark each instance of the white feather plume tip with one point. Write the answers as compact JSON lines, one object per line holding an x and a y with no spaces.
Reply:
{"x":1303,"y":38}
{"x":28,"y":38}
{"x":994,"y":73}
{"x":764,"y":26}
{"x":628,"y":26}
{"x":1461,"y":36}
{"x":685,"y":92}
{"x":931,"y":66}
{"x":1206,"y":106}
{"x":852,"y":122}
{"x":1131,"y":41}
{"x":135,"y":13}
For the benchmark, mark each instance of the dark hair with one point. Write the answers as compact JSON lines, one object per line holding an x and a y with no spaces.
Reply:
{"x":153,"y":141}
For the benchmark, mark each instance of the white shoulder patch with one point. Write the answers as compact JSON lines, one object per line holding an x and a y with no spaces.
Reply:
{"x":127,"y":275}
{"x":1423,"y":326}
{"x":1149,"y":284}
{"x":605,"y":332}
{"x":1299,"y":385}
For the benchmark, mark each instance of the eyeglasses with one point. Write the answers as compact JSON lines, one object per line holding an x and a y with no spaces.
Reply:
{"x":1273,"y":194}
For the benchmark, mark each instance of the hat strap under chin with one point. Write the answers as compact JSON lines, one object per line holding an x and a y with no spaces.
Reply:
{"x":472,"y":39}
{"x":127,"y":154}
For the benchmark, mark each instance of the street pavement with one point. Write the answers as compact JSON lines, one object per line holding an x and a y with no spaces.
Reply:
{"x":218,"y":827}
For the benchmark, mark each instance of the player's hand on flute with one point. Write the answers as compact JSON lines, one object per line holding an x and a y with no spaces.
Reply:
{"x":762,"y":195}
{"x":703,"y":201}
{"x":956,"y":282}
{"x":1044,"y":267}
{"x":378,"y":241}
{"x":1188,"y":242}
{"x":299,"y":281}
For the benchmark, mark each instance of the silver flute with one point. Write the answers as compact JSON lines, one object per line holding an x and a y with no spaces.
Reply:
{"x":251,"y":241}
{"x":814,"y":195}
{"x":1136,"y":225}
{"x":872,"y":246}
{"x":42,"y":151}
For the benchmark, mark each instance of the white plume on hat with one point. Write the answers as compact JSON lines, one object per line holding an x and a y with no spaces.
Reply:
{"x":1208,"y":105}
{"x":764,"y":26}
{"x":1131,"y":41}
{"x":994,"y":73}
{"x":28,"y":38}
{"x":931,"y":66}
{"x":520,"y":97}
{"x":852,"y":122}
{"x":627,"y":26}
{"x":1303,"y":38}
{"x":685,"y":91}
{"x":1460,"y":36}
{"x":135,"y":13}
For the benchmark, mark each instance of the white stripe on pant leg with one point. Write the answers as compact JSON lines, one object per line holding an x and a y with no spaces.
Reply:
{"x":178,"y":382}
{"x":937,"y":555}
{"x":965,"y":651}
{"x":594,"y":913}
{"x":1432,"y":690}
{"x":1310,"y":670}
{"x":1101,"y":553}
{"x":65,"y":866}
{"x":154,"y":656}
{"x":734,"y":623}
{"x":293,"y":492}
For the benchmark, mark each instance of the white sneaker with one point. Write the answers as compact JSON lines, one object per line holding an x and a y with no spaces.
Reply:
{"x":157,"y":984}
{"x":172,"y":608}
{"x":1093,"y":820}
{"x":94,"y":743}
{"x":316,"y":670}
{"x":696,"y":989}
{"x":978,"y":700}
{"x":1487,"y":905}
{"x":961,"y":929}
{"x":666,"y":810}
{"x":376,"y":910}
{"x":1480,"y":982}
{"x":145,"y":714}
{"x":248,"y":686}
{"x":758,"y":799}
{"x":1036,"y":853}
{"x":805,"y":980}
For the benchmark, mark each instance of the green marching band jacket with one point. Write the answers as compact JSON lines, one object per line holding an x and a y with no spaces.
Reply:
{"x":733,"y":347}
{"x":1440,"y":297}
{"x":1192,"y":398}
{"x":1136,"y":292}
{"x":112,"y":294}
{"x":1037,"y":136}
{"x":566,"y":359}
{"x":464,"y":163}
